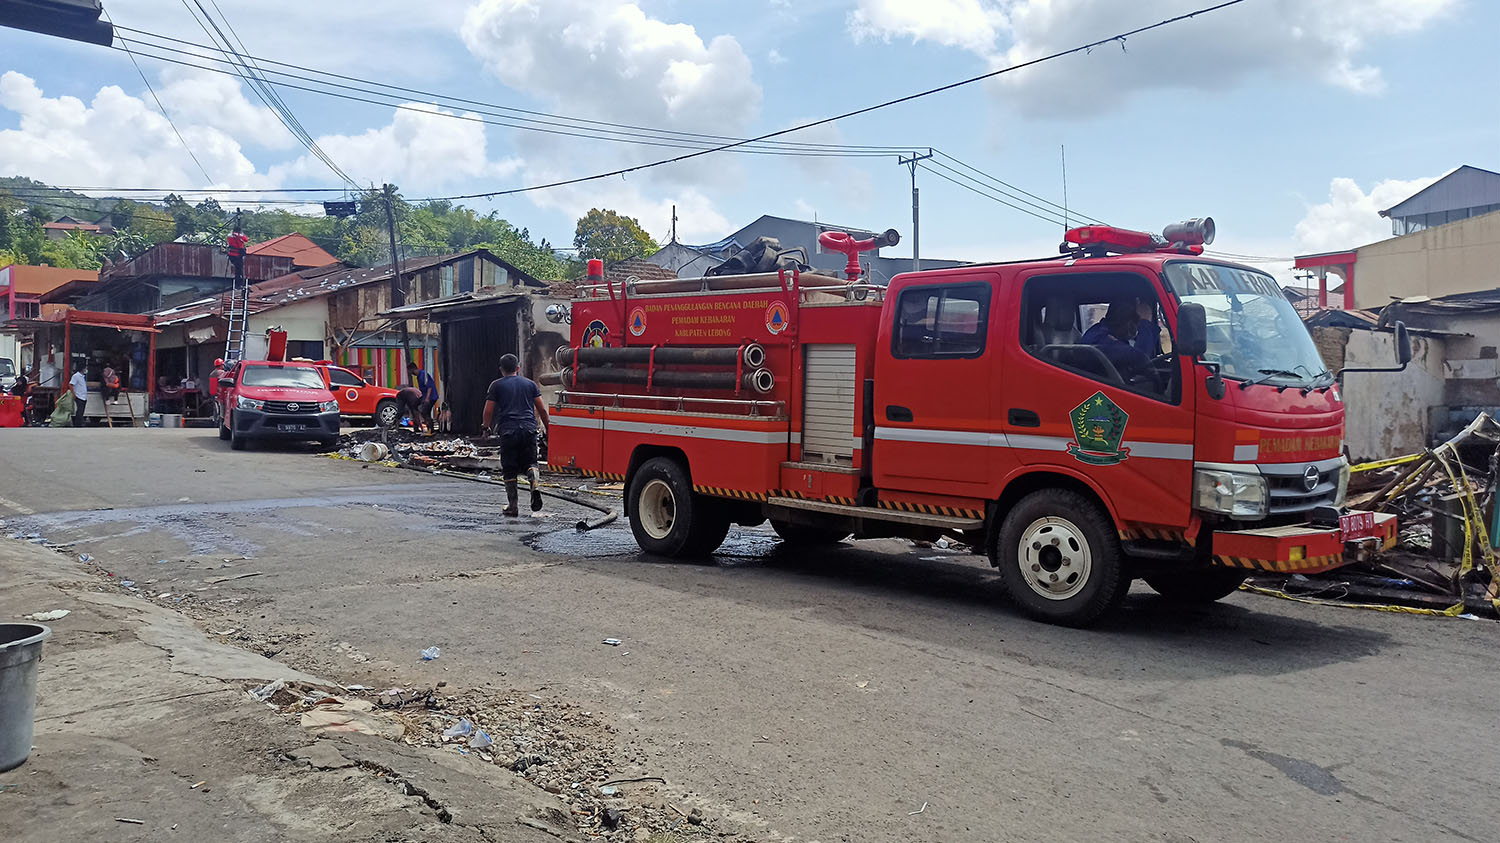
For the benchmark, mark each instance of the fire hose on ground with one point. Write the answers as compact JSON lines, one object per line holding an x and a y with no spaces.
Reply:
{"x":584,"y":525}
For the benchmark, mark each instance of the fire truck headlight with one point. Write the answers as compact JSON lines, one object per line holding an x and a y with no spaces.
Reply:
{"x":1343,"y":493}
{"x":1232,"y":493}
{"x":244,"y":403}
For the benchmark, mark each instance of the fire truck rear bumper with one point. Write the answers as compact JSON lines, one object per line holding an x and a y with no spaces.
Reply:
{"x":1301,"y":548}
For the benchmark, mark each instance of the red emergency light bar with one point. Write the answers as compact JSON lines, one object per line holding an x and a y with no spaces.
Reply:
{"x":1189,"y":236}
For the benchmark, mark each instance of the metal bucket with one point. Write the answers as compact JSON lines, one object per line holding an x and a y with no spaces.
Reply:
{"x":20,"y":653}
{"x":171,"y":420}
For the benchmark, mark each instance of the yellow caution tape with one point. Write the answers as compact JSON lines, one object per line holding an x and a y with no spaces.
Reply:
{"x":1378,"y":464}
{"x":1450,"y":612}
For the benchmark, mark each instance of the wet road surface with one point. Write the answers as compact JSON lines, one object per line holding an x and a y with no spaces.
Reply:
{"x":815,"y":696}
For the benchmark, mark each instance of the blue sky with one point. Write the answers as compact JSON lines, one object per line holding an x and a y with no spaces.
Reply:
{"x":1289,"y":121}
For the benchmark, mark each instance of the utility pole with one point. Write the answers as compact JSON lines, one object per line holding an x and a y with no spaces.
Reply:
{"x":674,"y":223}
{"x":916,"y":231}
{"x":398,"y":293}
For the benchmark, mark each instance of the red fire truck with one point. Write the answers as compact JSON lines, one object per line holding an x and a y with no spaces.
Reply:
{"x":1201,"y":440}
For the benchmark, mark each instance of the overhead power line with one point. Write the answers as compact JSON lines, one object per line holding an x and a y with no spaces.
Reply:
{"x":162,"y":108}
{"x":259,"y":86}
{"x":512,"y":112}
{"x":542,"y":126}
{"x":856,"y":112}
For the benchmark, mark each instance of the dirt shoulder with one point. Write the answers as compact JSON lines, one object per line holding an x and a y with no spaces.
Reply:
{"x":146,"y":729}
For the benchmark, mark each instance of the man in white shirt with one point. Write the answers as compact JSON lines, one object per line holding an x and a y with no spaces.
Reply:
{"x":80,"y":387}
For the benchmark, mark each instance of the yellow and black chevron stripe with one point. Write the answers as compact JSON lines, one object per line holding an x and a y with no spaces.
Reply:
{"x":1282,"y":566}
{"x":930,"y":509}
{"x":1155,"y":534}
{"x":793,"y":493}
{"x":602,"y":475}
{"x":719,"y":491}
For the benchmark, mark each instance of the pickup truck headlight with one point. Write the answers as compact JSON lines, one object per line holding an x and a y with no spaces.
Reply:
{"x":1232,"y":493}
{"x":243,"y":403}
{"x":328,"y":406}
{"x":1343,"y":493}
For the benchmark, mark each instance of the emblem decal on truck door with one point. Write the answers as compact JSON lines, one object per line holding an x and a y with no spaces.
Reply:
{"x":1098,"y":430}
{"x":776,"y":317}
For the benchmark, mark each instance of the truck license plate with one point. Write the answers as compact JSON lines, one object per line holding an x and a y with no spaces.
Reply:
{"x":1357,"y":525}
{"x":291,"y":428}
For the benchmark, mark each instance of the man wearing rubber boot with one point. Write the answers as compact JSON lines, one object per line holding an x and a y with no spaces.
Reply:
{"x":514,"y":405}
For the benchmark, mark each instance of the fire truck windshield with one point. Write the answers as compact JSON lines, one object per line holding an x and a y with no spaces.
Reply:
{"x":1253,"y":332}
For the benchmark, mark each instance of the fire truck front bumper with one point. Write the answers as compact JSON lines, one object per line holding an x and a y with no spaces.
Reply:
{"x":1302,"y":548}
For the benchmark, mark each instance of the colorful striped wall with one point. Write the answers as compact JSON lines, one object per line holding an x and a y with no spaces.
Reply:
{"x":387,"y":366}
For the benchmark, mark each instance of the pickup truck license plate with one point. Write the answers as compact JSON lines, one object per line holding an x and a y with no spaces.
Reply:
{"x":1357,"y":525}
{"x":291,"y":428}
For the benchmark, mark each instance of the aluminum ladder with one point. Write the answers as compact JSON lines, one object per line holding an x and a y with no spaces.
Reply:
{"x":239,"y":319}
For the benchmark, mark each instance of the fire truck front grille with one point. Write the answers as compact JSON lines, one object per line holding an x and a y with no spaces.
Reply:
{"x":1287,"y":485}
{"x":292,"y":408}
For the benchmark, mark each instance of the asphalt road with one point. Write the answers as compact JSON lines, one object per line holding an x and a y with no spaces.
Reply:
{"x":827,"y":696}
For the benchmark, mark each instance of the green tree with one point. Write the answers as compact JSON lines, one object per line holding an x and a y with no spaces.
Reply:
{"x":76,"y":251}
{"x":608,"y":235}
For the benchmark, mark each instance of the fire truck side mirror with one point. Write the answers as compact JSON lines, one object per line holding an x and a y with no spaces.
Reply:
{"x":1192,"y":330}
{"x":1403,"y":345}
{"x":226,"y":383}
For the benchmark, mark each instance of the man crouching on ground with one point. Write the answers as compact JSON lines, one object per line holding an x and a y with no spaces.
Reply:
{"x":513,"y":405}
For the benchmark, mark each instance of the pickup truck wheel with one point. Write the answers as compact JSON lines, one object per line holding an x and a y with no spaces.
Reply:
{"x":1197,"y":586}
{"x":667,"y":517}
{"x":803,"y":534}
{"x":236,"y":441}
{"x":223,"y":433}
{"x":387,"y":413}
{"x":1059,"y":558}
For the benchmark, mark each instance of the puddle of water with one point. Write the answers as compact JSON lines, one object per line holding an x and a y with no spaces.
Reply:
{"x":740,"y":547}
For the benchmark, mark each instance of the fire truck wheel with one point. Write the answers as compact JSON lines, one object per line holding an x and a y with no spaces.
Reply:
{"x":802,"y":534}
{"x":1059,"y":558}
{"x":668,"y":518}
{"x":236,"y":441}
{"x":1200,"y":586}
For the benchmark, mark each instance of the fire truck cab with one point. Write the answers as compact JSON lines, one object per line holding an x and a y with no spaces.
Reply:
{"x":1128,"y":409}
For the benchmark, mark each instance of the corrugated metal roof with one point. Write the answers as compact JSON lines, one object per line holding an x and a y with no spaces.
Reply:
{"x":1465,"y":187}
{"x":303,"y":251}
{"x":195,"y":260}
{"x":36,"y":280}
{"x":638,"y":269}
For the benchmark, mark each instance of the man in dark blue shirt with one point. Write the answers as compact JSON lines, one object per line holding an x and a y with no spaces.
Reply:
{"x":428,"y":387}
{"x":514,"y":405}
{"x":1127,"y":340}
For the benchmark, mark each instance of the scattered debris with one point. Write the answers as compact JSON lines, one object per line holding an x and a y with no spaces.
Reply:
{"x":431,"y":653}
{"x":613,"y":642}
{"x":918,"y":811}
{"x":217,"y":580}
{"x":198,"y":785}
{"x":54,"y":615}
{"x":130,"y":820}
{"x":1445,"y":560}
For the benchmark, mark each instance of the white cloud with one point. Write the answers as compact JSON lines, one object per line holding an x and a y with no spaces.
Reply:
{"x":119,"y":139}
{"x":418,"y":150}
{"x":969,"y":24}
{"x":1305,"y":39}
{"x":115,"y":139}
{"x":213,"y":99}
{"x":775,"y":57}
{"x":1351,"y":217}
{"x":608,"y":59}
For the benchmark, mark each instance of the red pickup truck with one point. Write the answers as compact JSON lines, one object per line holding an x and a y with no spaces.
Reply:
{"x":268,"y":399}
